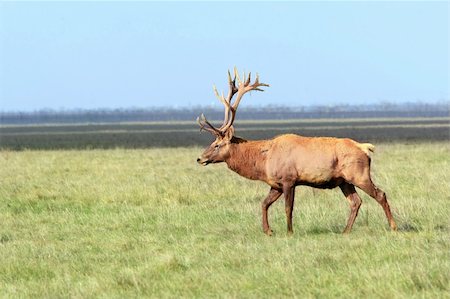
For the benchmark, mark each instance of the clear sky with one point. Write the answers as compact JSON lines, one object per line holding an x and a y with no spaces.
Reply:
{"x":66,"y":55}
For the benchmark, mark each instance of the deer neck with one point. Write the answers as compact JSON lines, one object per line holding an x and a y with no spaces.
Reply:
{"x":248,"y":158}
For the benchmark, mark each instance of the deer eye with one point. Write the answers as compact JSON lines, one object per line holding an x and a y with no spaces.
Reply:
{"x":216,"y":146}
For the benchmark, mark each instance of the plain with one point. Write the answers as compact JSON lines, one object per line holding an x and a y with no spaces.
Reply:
{"x":151,"y":222}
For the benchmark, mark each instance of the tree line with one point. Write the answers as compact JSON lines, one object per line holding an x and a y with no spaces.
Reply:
{"x":105,"y":115}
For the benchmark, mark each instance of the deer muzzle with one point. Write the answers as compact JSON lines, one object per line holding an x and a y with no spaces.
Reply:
{"x":203,"y":161}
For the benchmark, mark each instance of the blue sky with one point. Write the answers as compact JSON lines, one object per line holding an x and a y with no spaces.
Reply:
{"x":66,"y":55}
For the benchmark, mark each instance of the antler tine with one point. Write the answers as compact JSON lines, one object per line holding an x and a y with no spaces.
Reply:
{"x":257,"y":84}
{"x":247,"y":82}
{"x":231,"y":82}
{"x":225,"y":103}
{"x":221,"y":98}
{"x":226,"y":116}
{"x":200,"y":124}
{"x":236,"y":75}
{"x":232,"y":87}
{"x":202,"y":121}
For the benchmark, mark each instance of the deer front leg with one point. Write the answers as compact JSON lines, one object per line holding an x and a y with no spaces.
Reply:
{"x":289,"y":193}
{"x":273,"y":195}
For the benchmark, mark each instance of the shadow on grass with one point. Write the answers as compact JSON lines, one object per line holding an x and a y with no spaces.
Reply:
{"x":408,"y":227}
{"x":441,"y":228}
{"x":320,"y":230}
{"x":338,"y":229}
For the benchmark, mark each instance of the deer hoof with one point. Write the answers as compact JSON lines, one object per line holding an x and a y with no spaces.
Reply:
{"x":269,"y":232}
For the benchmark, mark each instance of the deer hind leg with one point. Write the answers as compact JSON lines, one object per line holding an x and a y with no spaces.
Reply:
{"x":273,"y":195}
{"x":355,"y":202}
{"x":289,"y":194}
{"x":369,"y":187}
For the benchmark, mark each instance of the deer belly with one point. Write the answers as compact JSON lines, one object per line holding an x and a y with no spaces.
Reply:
{"x":322,"y":184}
{"x":320,"y":175}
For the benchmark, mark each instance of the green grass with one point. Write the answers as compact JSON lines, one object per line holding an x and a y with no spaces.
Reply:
{"x":126,"y":223}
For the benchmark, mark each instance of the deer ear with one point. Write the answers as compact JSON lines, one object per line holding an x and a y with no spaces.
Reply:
{"x":229,"y":133}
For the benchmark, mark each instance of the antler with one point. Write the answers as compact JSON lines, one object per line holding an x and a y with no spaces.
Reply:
{"x":230,"y":109}
{"x":243,"y":88}
{"x":226,"y":101}
{"x":206,"y":125}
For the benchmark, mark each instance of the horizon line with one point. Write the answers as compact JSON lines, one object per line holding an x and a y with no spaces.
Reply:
{"x":217,"y":106}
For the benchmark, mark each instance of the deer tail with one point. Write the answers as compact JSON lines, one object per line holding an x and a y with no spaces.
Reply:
{"x":367,"y":148}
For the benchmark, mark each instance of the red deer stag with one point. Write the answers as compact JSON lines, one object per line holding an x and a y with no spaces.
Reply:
{"x":287,"y":161}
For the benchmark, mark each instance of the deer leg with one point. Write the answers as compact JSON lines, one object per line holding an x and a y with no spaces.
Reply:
{"x":355,"y":202}
{"x":273,"y":195}
{"x":379,"y":195}
{"x":289,"y":194}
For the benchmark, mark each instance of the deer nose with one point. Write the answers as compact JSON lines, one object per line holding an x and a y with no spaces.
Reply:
{"x":202,"y":161}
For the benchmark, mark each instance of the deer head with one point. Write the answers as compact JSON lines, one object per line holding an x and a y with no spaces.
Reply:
{"x":218,"y":151}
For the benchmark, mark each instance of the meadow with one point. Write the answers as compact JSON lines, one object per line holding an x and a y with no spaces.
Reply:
{"x":113,"y":210}
{"x":152,"y":223}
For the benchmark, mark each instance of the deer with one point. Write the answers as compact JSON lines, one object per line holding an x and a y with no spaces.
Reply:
{"x":290,"y":160}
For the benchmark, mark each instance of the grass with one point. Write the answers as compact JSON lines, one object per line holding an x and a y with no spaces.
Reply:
{"x":151,"y":223}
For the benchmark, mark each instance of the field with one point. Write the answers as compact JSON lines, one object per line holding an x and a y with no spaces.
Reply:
{"x":150,"y":222}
